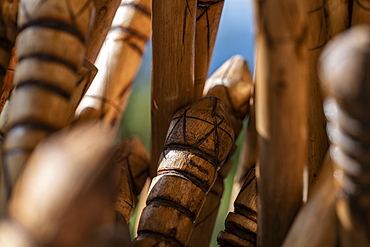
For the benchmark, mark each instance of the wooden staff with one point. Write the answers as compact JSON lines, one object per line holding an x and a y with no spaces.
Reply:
{"x":173,"y":67}
{"x":231,"y":83}
{"x":207,"y":22}
{"x":360,"y":12}
{"x":281,"y":115}
{"x":241,"y":225}
{"x":347,"y":82}
{"x":67,"y":188}
{"x":317,"y":139}
{"x":50,"y":49}
{"x":316,"y":222}
{"x":198,"y":142}
{"x":131,"y":156}
{"x":8,"y":80}
{"x":8,"y":31}
{"x":118,"y":63}
{"x":336,"y":16}
{"x":104,"y":14}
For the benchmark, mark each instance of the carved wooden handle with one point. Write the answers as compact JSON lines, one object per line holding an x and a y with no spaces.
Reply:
{"x":198,"y":142}
{"x":50,"y":49}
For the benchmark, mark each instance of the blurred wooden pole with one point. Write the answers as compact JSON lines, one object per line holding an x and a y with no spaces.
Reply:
{"x":281,"y":115}
{"x":316,"y":221}
{"x":231,"y":83}
{"x":8,"y":32}
{"x":336,"y":16}
{"x":173,"y":67}
{"x":50,"y":51}
{"x":118,"y":63}
{"x":317,"y":139}
{"x":207,"y":22}
{"x":104,"y":13}
{"x":345,"y":77}
{"x":360,"y":12}
{"x":198,"y":141}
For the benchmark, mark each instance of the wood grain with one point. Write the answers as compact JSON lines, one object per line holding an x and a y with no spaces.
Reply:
{"x":198,"y":142}
{"x":7,"y":81}
{"x":360,"y":12}
{"x":207,"y":22}
{"x":8,"y":31}
{"x":337,"y":16}
{"x":118,"y":63}
{"x":172,"y":67}
{"x":281,"y":115}
{"x":316,"y":221}
{"x":67,"y":188}
{"x":50,"y":51}
{"x":232,"y":84}
{"x":317,"y":138}
{"x":104,"y":14}
{"x":346,"y":82}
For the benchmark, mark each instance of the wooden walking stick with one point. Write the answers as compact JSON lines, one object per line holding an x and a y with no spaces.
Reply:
{"x":67,"y":188}
{"x":8,"y":31}
{"x":104,"y":14}
{"x":231,"y":83}
{"x":118,"y":62}
{"x":347,"y":82}
{"x":207,"y":22}
{"x":316,"y":222}
{"x":336,"y":16}
{"x":173,"y":67}
{"x":317,"y":139}
{"x":360,"y":12}
{"x":198,"y":142}
{"x":281,"y":116}
{"x":241,"y":225}
{"x":131,"y":156}
{"x":50,"y":49}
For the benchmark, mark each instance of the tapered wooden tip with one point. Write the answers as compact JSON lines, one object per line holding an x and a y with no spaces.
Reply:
{"x":67,"y":188}
{"x":232,"y":83}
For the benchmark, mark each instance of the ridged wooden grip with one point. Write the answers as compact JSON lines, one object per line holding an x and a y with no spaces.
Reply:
{"x":118,"y":63}
{"x":50,"y":49}
{"x":8,"y":31}
{"x":347,"y":83}
{"x":198,"y":142}
{"x":131,"y":156}
{"x":231,"y":83}
{"x":241,"y":225}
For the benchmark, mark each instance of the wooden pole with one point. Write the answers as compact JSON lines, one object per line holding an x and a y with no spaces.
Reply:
{"x":317,"y":138}
{"x":281,"y":115}
{"x":131,"y":156}
{"x":241,"y":225}
{"x":104,"y":13}
{"x":50,"y":49}
{"x":198,"y":142}
{"x":360,"y":12}
{"x":8,"y":31}
{"x":316,"y":221}
{"x":346,"y":82}
{"x":173,"y":67}
{"x":337,"y":14}
{"x":67,"y":188}
{"x":207,"y":22}
{"x":231,"y":83}
{"x":118,"y":63}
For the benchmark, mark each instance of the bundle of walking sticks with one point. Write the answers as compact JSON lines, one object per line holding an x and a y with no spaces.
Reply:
{"x":67,"y":69}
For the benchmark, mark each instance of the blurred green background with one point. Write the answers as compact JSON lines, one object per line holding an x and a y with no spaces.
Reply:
{"x":235,"y":36}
